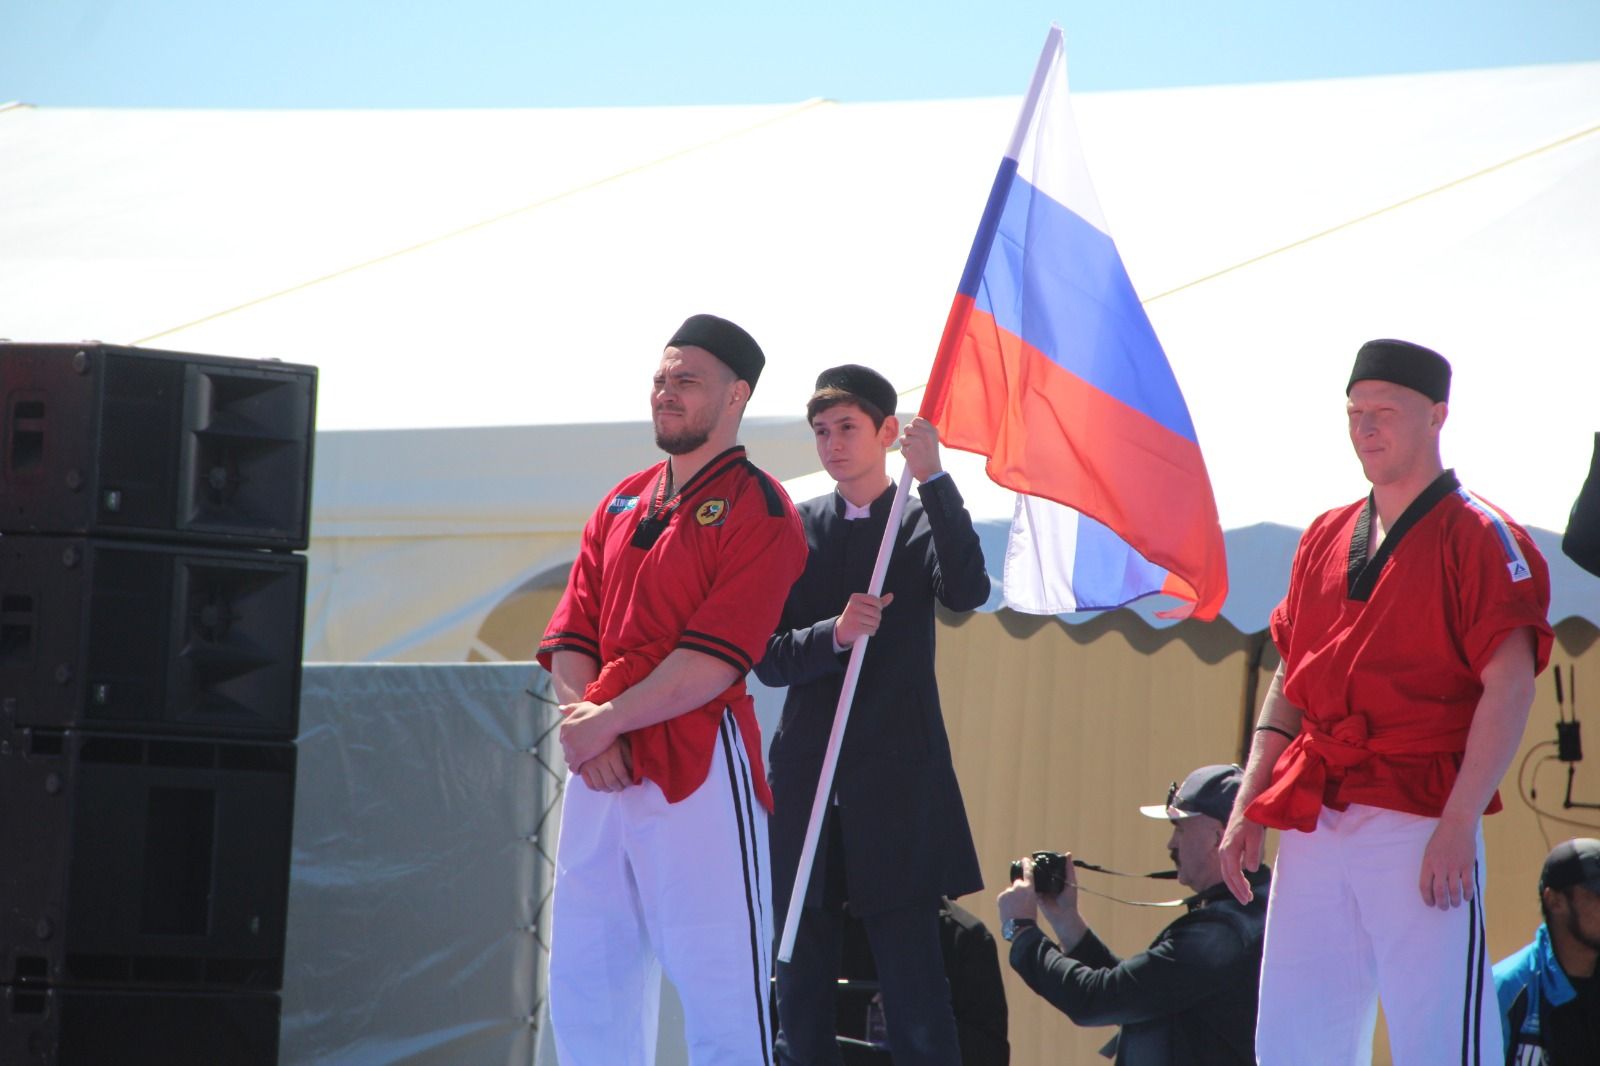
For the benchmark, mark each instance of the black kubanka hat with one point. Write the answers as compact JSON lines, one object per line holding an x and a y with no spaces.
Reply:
{"x":1403,"y":363}
{"x":728,"y":342}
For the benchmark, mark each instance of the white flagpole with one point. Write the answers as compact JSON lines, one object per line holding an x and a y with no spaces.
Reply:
{"x":841,"y":716}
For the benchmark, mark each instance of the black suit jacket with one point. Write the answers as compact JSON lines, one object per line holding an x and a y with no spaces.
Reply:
{"x":905,"y":832}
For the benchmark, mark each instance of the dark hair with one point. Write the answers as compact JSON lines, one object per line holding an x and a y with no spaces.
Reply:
{"x":829,"y":397}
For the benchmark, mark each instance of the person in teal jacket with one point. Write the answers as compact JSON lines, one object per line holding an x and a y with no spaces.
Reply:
{"x":1549,"y":991}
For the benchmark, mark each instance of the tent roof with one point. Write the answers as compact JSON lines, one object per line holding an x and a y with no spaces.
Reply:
{"x":522,"y":267}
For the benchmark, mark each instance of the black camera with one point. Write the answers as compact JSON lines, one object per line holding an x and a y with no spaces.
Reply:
{"x":1049,"y":872}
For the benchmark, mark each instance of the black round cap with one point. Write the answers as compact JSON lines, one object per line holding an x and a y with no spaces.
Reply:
{"x":725,"y":340}
{"x":860,"y":381}
{"x":1403,"y":363}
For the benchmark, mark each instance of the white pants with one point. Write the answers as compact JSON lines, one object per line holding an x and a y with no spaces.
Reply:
{"x":1346,"y":926}
{"x":643,"y":884}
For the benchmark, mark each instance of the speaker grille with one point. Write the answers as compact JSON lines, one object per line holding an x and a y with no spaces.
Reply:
{"x":132,"y":442}
{"x":244,"y":453}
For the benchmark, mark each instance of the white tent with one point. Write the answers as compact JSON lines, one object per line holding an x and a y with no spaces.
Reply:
{"x":456,"y":273}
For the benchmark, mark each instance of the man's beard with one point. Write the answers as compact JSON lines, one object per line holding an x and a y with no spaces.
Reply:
{"x":688,"y":436}
{"x":1575,"y":931}
{"x":683,"y":442}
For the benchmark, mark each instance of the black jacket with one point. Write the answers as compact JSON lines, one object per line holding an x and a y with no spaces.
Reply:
{"x":1187,"y":1000}
{"x":977,"y":995}
{"x":1582,"y":540}
{"x":972,"y":966}
{"x":906,"y":837}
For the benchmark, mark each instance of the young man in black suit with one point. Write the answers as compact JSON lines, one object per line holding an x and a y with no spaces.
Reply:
{"x":896,"y":838}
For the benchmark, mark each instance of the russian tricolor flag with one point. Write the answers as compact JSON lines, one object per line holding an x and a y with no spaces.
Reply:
{"x":1050,"y":367}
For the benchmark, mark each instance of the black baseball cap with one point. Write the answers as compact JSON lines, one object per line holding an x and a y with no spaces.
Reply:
{"x":1572,"y":862}
{"x":1209,"y":790}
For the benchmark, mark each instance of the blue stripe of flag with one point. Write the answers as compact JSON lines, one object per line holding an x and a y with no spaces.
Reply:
{"x":1070,"y":297}
{"x":1106,"y":572}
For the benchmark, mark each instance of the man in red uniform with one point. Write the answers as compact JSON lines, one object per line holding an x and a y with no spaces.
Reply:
{"x":662,"y":861}
{"x":1411,"y":633}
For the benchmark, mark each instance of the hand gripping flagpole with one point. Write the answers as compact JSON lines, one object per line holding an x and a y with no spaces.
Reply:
{"x":841,"y":717}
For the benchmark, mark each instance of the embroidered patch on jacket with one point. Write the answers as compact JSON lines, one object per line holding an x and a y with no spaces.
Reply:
{"x":712,"y":512}
{"x":622,"y":503}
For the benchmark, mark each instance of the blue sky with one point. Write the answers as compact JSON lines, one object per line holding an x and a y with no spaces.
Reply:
{"x":537,"y":53}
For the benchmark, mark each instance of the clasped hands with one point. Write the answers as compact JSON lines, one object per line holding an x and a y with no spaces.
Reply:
{"x":594,"y":750}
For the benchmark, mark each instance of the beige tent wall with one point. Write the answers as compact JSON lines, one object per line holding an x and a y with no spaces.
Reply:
{"x":1519,"y":837}
{"x":418,"y":535}
{"x":513,"y":630}
{"x":366,"y":603}
{"x":1060,"y":732}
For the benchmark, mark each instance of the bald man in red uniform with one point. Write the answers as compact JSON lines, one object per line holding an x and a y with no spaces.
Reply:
{"x":1411,"y":633}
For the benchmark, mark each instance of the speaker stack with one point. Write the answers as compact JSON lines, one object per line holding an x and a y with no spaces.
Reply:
{"x":151,"y":615}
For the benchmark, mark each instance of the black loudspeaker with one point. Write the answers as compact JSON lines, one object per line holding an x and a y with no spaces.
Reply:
{"x":143,"y":862}
{"x":63,"y":1027}
{"x":97,"y":439}
{"x":125,"y":635}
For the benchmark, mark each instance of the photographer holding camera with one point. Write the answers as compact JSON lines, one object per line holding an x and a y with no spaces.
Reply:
{"x":1190,"y":998}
